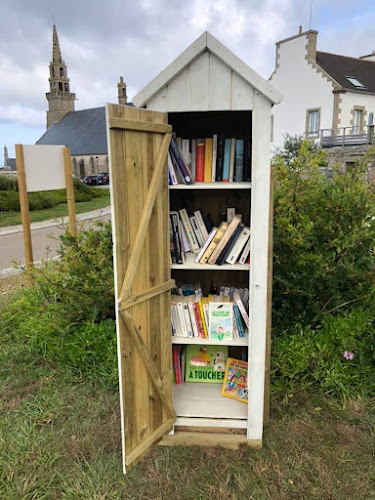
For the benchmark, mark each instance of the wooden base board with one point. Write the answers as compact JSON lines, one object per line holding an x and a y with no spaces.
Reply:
{"x":232,"y":441}
{"x":209,"y":430}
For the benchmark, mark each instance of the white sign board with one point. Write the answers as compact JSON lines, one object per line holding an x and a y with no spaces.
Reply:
{"x":44,"y":168}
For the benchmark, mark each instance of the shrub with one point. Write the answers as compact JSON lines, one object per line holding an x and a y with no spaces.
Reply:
{"x":305,"y":357}
{"x":9,"y":201}
{"x":324,"y":234}
{"x":8,"y":182}
{"x":82,"y":281}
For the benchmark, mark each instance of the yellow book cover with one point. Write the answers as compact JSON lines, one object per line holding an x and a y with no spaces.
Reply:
{"x":235,"y":380}
{"x":208,"y":160}
{"x":203,"y":320}
{"x":216,"y":240}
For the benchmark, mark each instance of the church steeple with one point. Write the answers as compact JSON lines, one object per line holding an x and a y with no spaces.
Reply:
{"x":121,"y":91}
{"x":60,"y":99}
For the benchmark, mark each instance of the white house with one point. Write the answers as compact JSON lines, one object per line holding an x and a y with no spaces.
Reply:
{"x":326,"y":96}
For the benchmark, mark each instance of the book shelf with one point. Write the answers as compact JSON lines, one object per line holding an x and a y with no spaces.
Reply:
{"x":196,"y":401}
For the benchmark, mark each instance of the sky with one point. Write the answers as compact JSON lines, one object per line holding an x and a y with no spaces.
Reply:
{"x":137,"y":39}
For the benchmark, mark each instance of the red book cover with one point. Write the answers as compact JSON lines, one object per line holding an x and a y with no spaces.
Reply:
{"x":198,"y":318}
{"x":176,"y":365}
{"x":199,"y":162}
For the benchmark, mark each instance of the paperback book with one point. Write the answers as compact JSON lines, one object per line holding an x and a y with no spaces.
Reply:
{"x":235,"y":380}
{"x":205,"y":363}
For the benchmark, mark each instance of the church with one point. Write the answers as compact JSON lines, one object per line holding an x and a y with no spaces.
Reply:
{"x":83,"y":131}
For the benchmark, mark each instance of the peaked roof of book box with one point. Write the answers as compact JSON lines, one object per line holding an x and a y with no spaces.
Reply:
{"x":206,"y":42}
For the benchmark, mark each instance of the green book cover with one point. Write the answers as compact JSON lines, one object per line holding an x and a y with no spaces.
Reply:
{"x":205,"y":363}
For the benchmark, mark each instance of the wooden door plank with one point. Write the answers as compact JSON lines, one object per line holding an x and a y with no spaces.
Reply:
{"x":147,"y":443}
{"x":141,"y":126}
{"x":154,"y":376}
{"x":145,"y":218}
{"x":147,"y":294}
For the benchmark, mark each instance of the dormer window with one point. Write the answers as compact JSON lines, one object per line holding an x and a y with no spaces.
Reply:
{"x":355,"y":82}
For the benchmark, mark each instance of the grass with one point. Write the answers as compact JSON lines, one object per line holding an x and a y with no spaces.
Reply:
{"x":14,"y":218}
{"x":60,"y":439}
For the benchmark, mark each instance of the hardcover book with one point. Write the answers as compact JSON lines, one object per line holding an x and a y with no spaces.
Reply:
{"x":205,"y":363}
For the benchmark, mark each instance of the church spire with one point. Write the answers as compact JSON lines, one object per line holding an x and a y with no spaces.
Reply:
{"x":60,"y":99}
{"x":56,"y":52}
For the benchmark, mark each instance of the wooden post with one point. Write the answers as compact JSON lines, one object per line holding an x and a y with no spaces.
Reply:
{"x":24,"y":203}
{"x":70,"y":192}
{"x":267,"y":380}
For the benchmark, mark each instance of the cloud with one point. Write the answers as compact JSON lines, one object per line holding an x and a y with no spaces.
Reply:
{"x":102,"y":40}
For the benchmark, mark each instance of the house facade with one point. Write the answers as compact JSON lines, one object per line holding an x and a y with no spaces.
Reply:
{"x":327,"y":97}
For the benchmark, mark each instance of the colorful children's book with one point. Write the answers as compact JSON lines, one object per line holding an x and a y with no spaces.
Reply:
{"x":220,"y":321}
{"x":235,"y":380}
{"x":205,"y":363}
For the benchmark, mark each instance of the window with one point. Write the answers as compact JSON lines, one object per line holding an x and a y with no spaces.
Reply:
{"x":313,"y":122}
{"x":355,"y":82}
{"x":357,"y":121}
{"x":60,"y":86}
{"x":66,"y":87}
{"x":61,"y":72}
{"x":53,"y":72}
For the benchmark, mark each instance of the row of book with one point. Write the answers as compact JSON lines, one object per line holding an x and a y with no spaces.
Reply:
{"x":211,"y":364}
{"x":227,"y":244}
{"x":220,"y":317}
{"x":213,"y":159}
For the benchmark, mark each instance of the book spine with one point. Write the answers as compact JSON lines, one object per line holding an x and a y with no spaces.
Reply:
{"x":188,"y":324}
{"x":202,"y":227}
{"x":193,"y":320}
{"x":247,"y":161}
{"x":240,"y":243}
{"x":231,"y":212}
{"x":176,"y":237}
{"x":198,"y":319}
{"x":180,"y":161}
{"x":176,"y":363}
{"x":239,"y":160}
{"x":228,"y":248}
{"x":207,"y":160}
{"x":199,"y":161}
{"x":206,"y":317}
{"x":226,"y":160}
{"x":189,"y":230}
{"x":193,"y":158}
{"x":186,"y":152}
{"x":182,"y":364}
{"x":220,"y":159}
{"x":242,"y":309}
{"x":214,"y":156}
{"x":231,"y":229}
{"x":215,"y":241}
{"x":172,"y":242}
{"x":203,"y":319}
{"x":181,"y":315}
{"x":231,"y":160}
{"x":207,"y":222}
{"x":172,"y":173}
{"x":245,"y":253}
{"x":205,"y":246}
{"x":197,"y":231}
{"x":238,"y":321}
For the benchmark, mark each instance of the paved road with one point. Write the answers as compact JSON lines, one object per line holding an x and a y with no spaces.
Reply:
{"x":45,"y":243}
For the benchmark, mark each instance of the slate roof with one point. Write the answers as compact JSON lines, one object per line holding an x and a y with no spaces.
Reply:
{"x":339,"y":67}
{"x":82,"y":131}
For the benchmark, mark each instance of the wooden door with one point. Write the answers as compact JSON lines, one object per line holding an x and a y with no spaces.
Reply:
{"x":138,"y":147}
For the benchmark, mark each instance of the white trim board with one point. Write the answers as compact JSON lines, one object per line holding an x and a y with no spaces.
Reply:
{"x":206,"y":42}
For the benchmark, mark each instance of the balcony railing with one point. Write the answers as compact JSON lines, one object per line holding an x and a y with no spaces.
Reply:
{"x":347,"y":136}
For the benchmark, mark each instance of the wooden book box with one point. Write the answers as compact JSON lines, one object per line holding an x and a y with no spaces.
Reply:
{"x":206,"y":90}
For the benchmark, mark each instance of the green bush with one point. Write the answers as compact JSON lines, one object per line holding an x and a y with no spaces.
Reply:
{"x":8,"y":182}
{"x":82,"y":281}
{"x":304,"y":357}
{"x":9,"y":201}
{"x":324,"y":235}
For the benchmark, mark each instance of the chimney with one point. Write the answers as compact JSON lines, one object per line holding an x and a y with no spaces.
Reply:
{"x":121,"y":91}
{"x":312,"y":37}
{"x":300,"y":30}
